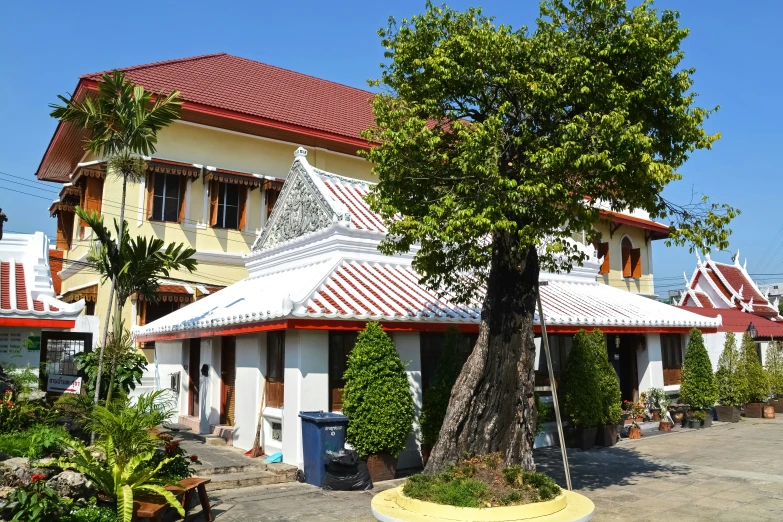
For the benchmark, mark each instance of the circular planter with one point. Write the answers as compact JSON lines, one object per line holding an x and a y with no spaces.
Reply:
{"x":728,"y":413}
{"x":393,"y":506}
{"x":769,"y":412}
{"x":635,"y":433}
{"x":754,"y":410}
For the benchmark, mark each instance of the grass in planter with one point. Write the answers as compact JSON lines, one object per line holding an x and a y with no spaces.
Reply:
{"x":34,"y":443}
{"x":482,"y":482}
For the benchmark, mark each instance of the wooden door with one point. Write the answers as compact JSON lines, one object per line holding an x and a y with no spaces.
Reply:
{"x":194,"y":373}
{"x":228,"y":371}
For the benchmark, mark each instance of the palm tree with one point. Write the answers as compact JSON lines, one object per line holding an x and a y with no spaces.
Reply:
{"x":122,"y":122}
{"x":135,"y":266}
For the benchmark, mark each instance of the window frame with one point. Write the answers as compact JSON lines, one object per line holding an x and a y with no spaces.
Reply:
{"x":275,"y":384}
{"x":152,"y":196}
{"x":631,"y":259}
{"x":671,"y":358}
{"x":216,"y":202}
{"x":337,"y":383}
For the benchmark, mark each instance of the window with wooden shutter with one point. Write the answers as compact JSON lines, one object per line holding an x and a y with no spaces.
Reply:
{"x":228,"y":371}
{"x":636,"y":262}
{"x":275,"y":369}
{"x":340,"y":346}
{"x":168,"y":197}
{"x":226,"y":205}
{"x":92,"y":197}
{"x":213,"y":202}
{"x":627,"y":246}
{"x":602,"y":250}
{"x":150,"y":193}
{"x":671,"y":355}
{"x":64,"y":229}
{"x":183,"y":188}
{"x":242,"y":207}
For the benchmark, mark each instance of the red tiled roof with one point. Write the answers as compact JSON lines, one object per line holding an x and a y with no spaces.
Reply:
{"x":258,"y":89}
{"x":701,"y":297}
{"x":20,"y":303}
{"x":738,"y":321}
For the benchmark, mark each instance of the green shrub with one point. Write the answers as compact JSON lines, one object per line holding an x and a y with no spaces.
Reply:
{"x":178,"y":462}
{"x":377,"y":397}
{"x":128,"y":372}
{"x":581,"y":391}
{"x":609,"y":386}
{"x":729,"y":378}
{"x":21,"y":414}
{"x":697,"y":388}
{"x":34,"y":443}
{"x":757,"y":385}
{"x":35,"y":502}
{"x":544,"y":412}
{"x":654,"y":398}
{"x":93,"y":514}
{"x":774,"y":367}
{"x":435,"y":400}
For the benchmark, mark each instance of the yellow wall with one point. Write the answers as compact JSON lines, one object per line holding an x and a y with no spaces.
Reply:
{"x":642,"y":285}
{"x":212,"y":147}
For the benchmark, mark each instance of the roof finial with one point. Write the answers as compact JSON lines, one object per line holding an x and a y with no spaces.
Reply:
{"x":740,"y":291}
{"x":776,"y":303}
{"x":736,"y":258}
{"x":707,"y":256}
{"x":687,"y":283}
{"x":750,"y":304}
{"x":745,"y":266}
{"x":301,"y":152}
{"x":698,"y":259}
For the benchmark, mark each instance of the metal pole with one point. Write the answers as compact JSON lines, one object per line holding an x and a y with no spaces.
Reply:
{"x":545,"y":344}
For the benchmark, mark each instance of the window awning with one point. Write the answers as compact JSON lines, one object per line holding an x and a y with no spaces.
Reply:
{"x":173,"y":167}
{"x":59,"y":206}
{"x":88,"y":293}
{"x":240,"y":178}
{"x":176,"y":293}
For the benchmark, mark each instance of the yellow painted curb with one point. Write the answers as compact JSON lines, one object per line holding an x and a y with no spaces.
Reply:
{"x":393,"y":506}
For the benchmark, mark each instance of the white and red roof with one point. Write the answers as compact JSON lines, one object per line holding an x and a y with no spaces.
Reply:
{"x":317,"y":262}
{"x":723,"y":286}
{"x":26,"y":289}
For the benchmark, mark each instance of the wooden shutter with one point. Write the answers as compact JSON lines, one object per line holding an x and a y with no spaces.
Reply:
{"x":150,"y":193}
{"x":93,"y":194}
{"x":242,"y":207}
{"x":636,"y":262}
{"x":603,"y":252}
{"x":64,"y":230}
{"x":627,"y":270}
{"x":228,"y":371}
{"x":183,"y":187}
{"x":214,"y":192}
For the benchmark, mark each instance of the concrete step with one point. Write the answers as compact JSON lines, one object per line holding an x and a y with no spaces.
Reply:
{"x":253,"y":466}
{"x":213,"y":440}
{"x":250,"y":478}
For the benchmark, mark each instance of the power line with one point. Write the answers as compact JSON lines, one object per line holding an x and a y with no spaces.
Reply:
{"x":25,"y":184}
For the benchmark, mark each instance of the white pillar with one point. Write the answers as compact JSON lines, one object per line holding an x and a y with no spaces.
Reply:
{"x":170,"y":355}
{"x":210,"y":385}
{"x":248,"y":390}
{"x":650,"y":364}
{"x":306,"y":386}
{"x":409,"y":349}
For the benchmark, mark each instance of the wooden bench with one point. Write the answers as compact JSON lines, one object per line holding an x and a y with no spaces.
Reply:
{"x":153,"y":507}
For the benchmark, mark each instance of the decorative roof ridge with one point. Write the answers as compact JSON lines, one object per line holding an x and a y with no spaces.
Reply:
{"x":90,"y":76}
{"x":703,"y":270}
{"x":354,"y":181}
{"x":745,"y":274}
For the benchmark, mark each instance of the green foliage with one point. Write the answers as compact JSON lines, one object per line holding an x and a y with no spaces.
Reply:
{"x":44,"y":440}
{"x":774,"y":367}
{"x":582,"y":396}
{"x":435,"y":400}
{"x":376,"y":397}
{"x":459,"y":492}
{"x":730,"y":379}
{"x":699,"y":415}
{"x":757,"y":385}
{"x":544,"y":411}
{"x":509,"y":131}
{"x":608,"y":385}
{"x":24,"y":378}
{"x":92,"y":513}
{"x":120,"y":480}
{"x":129,"y":369}
{"x":655,"y":396}
{"x":698,"y":388}
{"x":35,"y":502}
{"x":546,"y":486}
{"x":76,"y":408}
{"x":179,"y":463}
{"x":21,"y":414}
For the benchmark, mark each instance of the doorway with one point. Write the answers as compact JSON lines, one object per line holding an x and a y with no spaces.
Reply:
{"x":194,"y":375}
{"x":622,"y":355}
{"x":228,"y":371}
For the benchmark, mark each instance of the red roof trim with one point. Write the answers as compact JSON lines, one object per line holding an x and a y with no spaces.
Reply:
{"x":660,"y":231}
{"x":37,"y":323}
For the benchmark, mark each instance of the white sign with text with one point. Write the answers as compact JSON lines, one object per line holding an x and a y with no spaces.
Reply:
{"x":64,"y":384}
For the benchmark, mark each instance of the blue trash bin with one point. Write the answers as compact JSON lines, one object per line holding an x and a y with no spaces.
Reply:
{"x":322,"y":432}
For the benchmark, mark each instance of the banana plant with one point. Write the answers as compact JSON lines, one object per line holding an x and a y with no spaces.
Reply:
{"x":120,"y":481}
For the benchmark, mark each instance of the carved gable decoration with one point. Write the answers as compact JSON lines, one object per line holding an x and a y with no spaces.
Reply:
{"x":301,"y":209}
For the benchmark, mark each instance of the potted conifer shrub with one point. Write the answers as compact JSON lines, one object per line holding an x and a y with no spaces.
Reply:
{"x":377,"y":401}
{"x":774,"y":368}
{"x":435,"y":399}
{"x":611,"y":410}
{"x":582,"y":397}
{"x":730,"y":381}
{"x":698,"y":388}
{"x":757,"y":391}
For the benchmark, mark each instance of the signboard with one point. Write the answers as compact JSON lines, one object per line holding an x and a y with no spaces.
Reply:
{"x":64,"y":384}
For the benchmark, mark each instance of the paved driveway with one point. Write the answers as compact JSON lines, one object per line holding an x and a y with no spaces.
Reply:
{"x":727,"y":472}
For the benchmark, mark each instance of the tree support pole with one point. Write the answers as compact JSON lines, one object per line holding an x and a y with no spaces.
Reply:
{"x":545,"y":344}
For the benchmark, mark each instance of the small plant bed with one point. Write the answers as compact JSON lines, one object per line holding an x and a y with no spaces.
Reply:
{"x":482,"y":482}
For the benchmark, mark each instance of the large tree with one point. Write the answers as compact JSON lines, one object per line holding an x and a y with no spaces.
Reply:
{"x":122,"y":121}
{"x":495,"y":145}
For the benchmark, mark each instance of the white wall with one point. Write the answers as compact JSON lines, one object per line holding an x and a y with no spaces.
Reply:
{"x":714,"y":344}
{"x":409,"y":350}
{"x":306,"y":386}
{"x":650,"y":364}
{"x":209,"y":402}
{"x":249,"y":383}
{"x":170,"y":355}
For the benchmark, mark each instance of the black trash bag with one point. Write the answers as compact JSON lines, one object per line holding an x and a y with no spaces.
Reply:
{"x":345,"y":471}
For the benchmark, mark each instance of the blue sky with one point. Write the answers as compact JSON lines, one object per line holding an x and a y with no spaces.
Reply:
{"x":736,"y":51}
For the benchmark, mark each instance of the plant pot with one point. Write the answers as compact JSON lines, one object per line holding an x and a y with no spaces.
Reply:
{"x":707,"y":422}
{"x":585,"y":438}
{"x":656,"y":414}
{"x":778,"y":404}
{"x":635,"y":433}
{"x":426,"y":449}
{"x":754,"y":410}
{"x":607,"y":436}
{"x":665,"y":426}
{"x":769,"y":412}
{"x":728,"y":413}
{"x":694,"y":424}
{"x":679,"y":418}
{"x":381,"y":467}
{"x":639,"y":418}
{"x":627,"y":419}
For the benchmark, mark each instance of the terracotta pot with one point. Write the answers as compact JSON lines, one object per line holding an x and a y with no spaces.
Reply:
{"x":607,"y":436}
{"x":665,"y":426}
{"x":728,"y":413}
{"x":426,"y":449}
{"x":635,"y":433}
{"x":656,"y":415}
{"x":381,"y":467}
{"x":769,"y":412}
{"x":754,"y":410}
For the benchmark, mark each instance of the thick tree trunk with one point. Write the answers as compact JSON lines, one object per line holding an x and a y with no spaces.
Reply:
{"x":491,"y":409}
